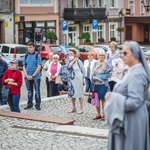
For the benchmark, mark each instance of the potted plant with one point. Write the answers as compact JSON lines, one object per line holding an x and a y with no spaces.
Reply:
{"x":52,"y":36}
{"x":120,"y":29}
{"x":112,"y":39}
{"x":101,"y":40}
{"x":86,"y":37}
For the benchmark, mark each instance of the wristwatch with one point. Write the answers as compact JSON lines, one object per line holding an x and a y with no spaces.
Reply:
{"x":32,"y":76}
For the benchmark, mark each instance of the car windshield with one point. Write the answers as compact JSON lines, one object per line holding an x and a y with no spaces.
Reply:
{"x":83,"y":48}
{"x":144,"y":49}
{"x":55,"y":48}
{"x":97,"y":49}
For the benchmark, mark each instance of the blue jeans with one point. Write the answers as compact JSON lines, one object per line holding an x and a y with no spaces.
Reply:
{"x":29,"y":86}
{"x":13,"y":102}
{"x":89,"y":85}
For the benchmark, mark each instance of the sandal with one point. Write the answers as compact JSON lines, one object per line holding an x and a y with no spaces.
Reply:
{"x":97,"y":117}
{"x":103,"y":118}
{"x":72,"y":110}
{"x":80,"y":112}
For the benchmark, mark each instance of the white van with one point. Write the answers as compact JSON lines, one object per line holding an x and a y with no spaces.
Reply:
{"x":17,"y":51}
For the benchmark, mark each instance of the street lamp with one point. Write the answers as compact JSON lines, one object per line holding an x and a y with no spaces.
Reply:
{"x":120,"y":19}
{"x":146,"y":4}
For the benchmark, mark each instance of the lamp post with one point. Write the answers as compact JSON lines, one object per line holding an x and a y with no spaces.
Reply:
{"x":146,"y":4}
{"x":120,"y":19}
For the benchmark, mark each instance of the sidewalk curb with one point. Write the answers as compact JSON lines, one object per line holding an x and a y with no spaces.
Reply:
{"x":43,"y":100}
{"x":83,"y":130}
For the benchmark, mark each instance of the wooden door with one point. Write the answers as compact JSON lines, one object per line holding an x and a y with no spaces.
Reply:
{"x":128,"y":33}
{"x":146,"y":33}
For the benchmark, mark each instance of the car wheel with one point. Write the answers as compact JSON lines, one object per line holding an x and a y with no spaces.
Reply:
{"x":43,"y":62}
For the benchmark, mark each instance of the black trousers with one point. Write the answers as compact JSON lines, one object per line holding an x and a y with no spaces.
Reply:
{"x":53,"y":89}
{"x":112,"y":84}
{"x":47,"y":87}
{"x":2,"y":102}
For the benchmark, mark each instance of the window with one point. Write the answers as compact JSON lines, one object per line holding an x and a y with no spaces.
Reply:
{"x":35,"y":2}
{"x":21,"y":50}
{"x":100,"y":31}
{"x":86,"y":28}
{"x":5,"y":49}
{"x":142,"y":7}
{"x":114,"y":3}
{"x":23,"y":2}
{"x":131,"y":6}
{"x":101,"y":3}
{"x":112,"y":30}
{"x":11,"y":50}
{"x":86,"y":3}
{"x":72,"y":3}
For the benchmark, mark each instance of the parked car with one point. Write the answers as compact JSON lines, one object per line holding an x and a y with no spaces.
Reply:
{"x":66,"y":48}
{"x":6,"y":58}
{"x":143,"y":48}
{"x":106,"y":48}
{"x":17,"y":51}
{"x":84,"y":49}
{"x":46,"y":48}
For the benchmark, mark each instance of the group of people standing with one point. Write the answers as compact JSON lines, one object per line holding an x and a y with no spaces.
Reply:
{"x":120,"y":80}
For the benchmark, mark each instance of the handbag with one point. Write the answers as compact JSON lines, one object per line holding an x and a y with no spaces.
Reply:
{"x":65,"y":87}
{"x":89,"y":98}
{"x":5,"y":92}
{"x":95,"y":99}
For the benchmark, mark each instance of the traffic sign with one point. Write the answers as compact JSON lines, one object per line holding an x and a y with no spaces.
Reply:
{"x":95,"y":25}
{"x":64,"y":26}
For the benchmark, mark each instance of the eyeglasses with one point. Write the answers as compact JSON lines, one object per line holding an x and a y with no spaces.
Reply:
{"x":124,"y":53}
{"x":55,"y":58}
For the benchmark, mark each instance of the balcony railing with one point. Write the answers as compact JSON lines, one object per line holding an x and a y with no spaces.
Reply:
{"x":79,"y":14}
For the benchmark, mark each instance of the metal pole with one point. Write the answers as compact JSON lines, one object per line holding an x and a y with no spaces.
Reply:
{"x":120,"y":31}
{"x":64,"y":38}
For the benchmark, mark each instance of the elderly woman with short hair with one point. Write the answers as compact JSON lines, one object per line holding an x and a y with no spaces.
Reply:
{"x":88,"y":66}
{"x":112,"y":55}
{"x":100,"y":77}
{"x":53,"y":71}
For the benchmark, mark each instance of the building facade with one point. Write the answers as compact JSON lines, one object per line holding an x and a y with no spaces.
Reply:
{"x":6,"y":21}
{"x":79,"y":15}
{"x":137,"y":24}
{"x":35,"y":16}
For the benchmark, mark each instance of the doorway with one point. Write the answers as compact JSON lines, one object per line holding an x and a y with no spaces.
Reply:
{"x":72,"y":37}
{"x":146,"y":33}
{"x":128,"y":32}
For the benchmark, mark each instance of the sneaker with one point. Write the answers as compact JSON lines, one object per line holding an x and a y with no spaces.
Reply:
{"x":37,"y":107}
{"x":28,"y":107}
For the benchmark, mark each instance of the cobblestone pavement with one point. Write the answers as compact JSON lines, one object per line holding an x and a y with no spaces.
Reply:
{"x":20,"y":134}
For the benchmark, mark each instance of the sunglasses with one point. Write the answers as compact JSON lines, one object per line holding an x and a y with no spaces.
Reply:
{"x":124,"y":53}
